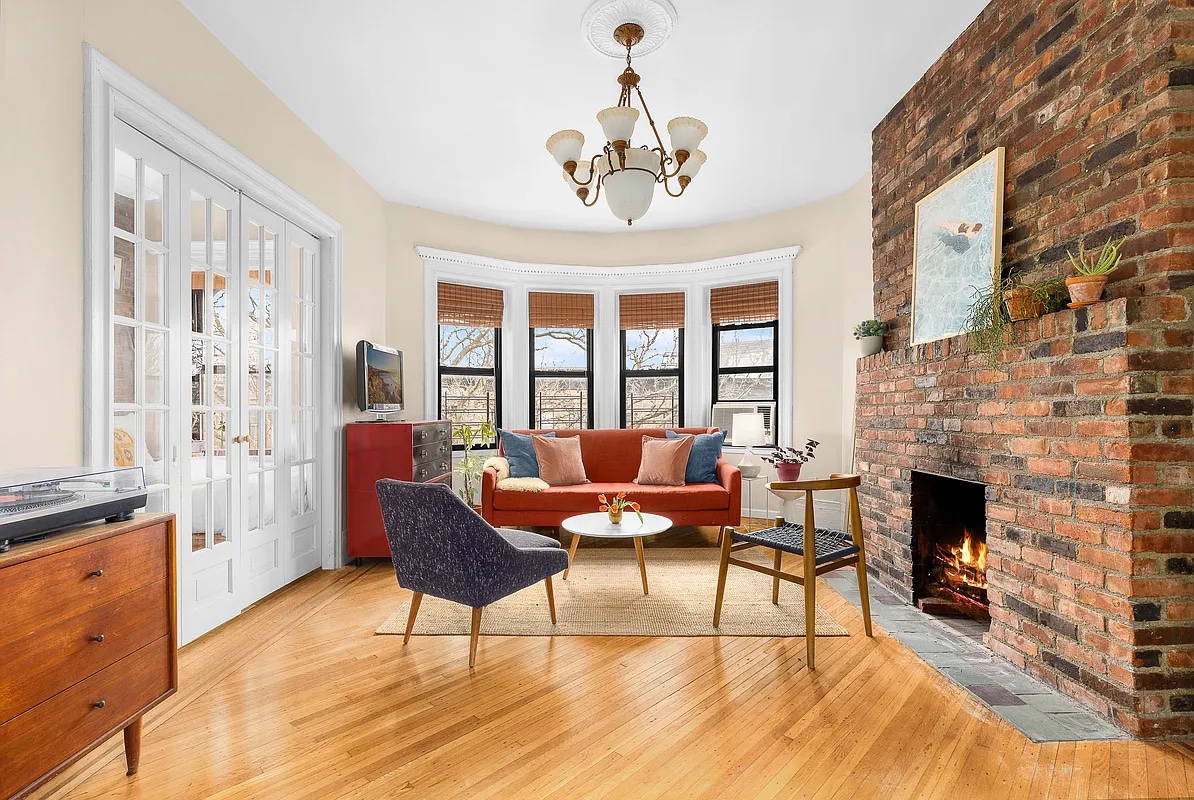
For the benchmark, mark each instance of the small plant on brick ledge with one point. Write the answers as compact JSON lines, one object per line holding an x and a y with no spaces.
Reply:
{"x":788,"y":460}
{"x":869,"y":333}
{"x":1094,"y":270}
{"x":989,"y":321}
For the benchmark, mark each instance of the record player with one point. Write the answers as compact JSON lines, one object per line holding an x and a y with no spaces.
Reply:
{"x":36,"y":502}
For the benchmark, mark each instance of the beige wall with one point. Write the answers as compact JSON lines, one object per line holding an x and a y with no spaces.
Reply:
{"x":836,"y":261}
{"x":41,"y":169}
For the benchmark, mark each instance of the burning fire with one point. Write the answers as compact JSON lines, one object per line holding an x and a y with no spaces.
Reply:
{"x":966,"y":565}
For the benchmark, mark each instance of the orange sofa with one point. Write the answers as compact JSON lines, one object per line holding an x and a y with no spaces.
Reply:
{"x":611,"y":459}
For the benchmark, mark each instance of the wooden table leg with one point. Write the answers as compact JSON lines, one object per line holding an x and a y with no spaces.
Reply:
{"x":132,"y":746}
{"x":642,"y":565}
{"x":571,"y":553}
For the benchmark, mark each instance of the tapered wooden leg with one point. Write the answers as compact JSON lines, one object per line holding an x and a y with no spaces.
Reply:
{"x":642,"y":564}
{"x":476,"y":633}
{"x":415,"y":599}
{"x":863,"y":594}
{"x":551,"y":599}
{"x":132,"y":746}
{"x":810,"y":610}
{"x":721,"y":534}
{"x":777,"y":563}
{"x":571,"y":553}
{"x":726,"y":544}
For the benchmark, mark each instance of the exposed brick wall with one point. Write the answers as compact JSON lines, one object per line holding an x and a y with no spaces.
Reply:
{"x":1083,"y":433}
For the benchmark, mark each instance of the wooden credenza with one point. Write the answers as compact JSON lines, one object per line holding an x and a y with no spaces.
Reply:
{"x":89,"y":644}
{"x":404,"y":451}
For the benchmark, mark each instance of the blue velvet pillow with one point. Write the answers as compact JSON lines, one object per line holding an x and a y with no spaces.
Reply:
{"x":702,"y":459}
{"x":520,"y":452}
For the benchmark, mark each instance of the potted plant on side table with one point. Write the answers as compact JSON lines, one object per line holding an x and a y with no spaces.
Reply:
{"x":1094,"y":270}
{"x":869,"y":334}
{"x":788,"y":460}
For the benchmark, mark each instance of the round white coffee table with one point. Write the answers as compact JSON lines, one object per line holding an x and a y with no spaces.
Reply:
{"x":598,"y":525}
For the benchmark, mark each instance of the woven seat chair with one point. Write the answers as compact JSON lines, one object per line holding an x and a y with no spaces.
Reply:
{"x":443,"y":548}
{"x":829,"y":549}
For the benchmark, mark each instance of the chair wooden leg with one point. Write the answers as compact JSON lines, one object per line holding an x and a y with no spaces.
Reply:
{"x":642,"y":564}
{"x":476,"y":633}
{"x":551,"y":599}
{"x":810,"y":614}
{"x":415,"y":599}
{"x":863,"y":594}
{"x":721,"y":534}
{"x":726,"y":544}
{"x":571,"y":553}
{"x":779,"y":560}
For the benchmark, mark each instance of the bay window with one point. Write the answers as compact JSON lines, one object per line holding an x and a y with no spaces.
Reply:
{"x":561,"y":358}
{"x":470,"y":354}
{"x":651,"y":343}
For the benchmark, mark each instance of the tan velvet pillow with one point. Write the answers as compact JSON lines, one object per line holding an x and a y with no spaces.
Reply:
{"x":664,"y":461}
{"x":559,"y":460}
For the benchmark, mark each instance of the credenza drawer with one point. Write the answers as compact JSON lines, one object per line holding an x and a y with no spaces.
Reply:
{"x":49,"y":734}
{"x":430,"y":452}
{"x":40,"y":665}
{"x":427,"y":434}
{"x":47,"y":590}
{"x":430,"y":471}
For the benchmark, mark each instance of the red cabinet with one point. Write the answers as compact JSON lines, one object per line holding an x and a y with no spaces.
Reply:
{"x":405,"y":451}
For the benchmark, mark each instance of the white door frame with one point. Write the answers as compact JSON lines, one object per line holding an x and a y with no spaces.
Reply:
{"x":109,"y":93}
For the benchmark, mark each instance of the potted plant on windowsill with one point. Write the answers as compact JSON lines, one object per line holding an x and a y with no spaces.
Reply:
{"x":788,"y":460}
{"x":1094,"y":270}
{"x":869,"y":334}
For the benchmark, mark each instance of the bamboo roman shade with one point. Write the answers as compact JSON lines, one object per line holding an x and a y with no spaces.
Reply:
{"x":474,"y":306}
{"x":651,"y":311}
{"x":749,"y":303}
{"x":559,"y":310}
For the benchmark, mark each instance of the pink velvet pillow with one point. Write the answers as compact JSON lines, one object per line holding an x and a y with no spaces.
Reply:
{"x":559,"y":460}
{"x":664,"y":461}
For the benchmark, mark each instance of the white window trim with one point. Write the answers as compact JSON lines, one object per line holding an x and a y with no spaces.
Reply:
{"x":111,"y":93}
{"x":695,"y":279}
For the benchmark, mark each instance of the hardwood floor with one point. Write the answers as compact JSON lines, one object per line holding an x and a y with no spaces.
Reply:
{"x":298,"y":699}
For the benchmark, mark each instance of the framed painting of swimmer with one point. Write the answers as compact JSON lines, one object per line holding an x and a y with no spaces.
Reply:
{"x":959,"y":244}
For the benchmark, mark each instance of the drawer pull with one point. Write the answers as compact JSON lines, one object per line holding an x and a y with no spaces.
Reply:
{"x":100,"y":703}
{"x":99,"y":637}
{"x":99,"y":573}
{"x":423,"y":473}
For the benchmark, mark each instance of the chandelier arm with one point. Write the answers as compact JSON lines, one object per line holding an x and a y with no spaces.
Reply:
{"x":592,"y":172}
{"x":667,"y":187}
{"x":596,"y":194}
{"x":651,"y":122}
{"x":663,"y":159}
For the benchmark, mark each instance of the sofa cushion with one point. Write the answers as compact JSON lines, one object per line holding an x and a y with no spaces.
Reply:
{"x":559,"y":461}
{"x":664,"y":461}
{"x":582,"y":499}
{"x":520,"y":452}
{"x":702,"y":460}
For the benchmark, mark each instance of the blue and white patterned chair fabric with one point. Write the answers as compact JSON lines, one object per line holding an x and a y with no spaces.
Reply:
{"x":830,"y":550}
{"x":443,"y":548}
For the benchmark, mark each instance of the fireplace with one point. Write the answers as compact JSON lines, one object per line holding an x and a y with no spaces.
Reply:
{"x":949,"y":534}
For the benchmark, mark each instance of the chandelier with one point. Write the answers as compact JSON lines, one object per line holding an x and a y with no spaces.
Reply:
{"x":629,"y":174}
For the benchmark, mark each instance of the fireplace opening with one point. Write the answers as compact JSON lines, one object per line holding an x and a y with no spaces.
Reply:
{"x":949,"y":546}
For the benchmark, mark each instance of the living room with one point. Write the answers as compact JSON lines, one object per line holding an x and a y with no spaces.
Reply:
{"x":856,"y":459}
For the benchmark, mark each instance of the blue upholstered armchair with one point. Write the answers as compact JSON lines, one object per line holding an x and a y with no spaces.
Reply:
{"x":443,"y":548}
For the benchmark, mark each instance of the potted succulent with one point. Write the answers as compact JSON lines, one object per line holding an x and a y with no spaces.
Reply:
{"x":869,"y":333}
{"x":616,"y":507}
{"x":1094,"y":269}
{"x":788,"y":460}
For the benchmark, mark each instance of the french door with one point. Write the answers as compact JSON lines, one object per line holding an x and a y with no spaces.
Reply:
{"x":214,"y":335}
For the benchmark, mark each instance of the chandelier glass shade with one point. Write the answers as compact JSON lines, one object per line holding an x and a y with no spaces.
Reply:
{"x":627,"y":174}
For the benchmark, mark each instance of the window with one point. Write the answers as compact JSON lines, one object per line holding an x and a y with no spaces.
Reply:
{"x":470,"y":354}
{"x":561,"y":380}
{"x":745,"y":342}
{"x":652,"y":356}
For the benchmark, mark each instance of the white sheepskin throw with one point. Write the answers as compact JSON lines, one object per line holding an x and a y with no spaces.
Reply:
{"x":522,"y":484}
{"x":500,"y":464}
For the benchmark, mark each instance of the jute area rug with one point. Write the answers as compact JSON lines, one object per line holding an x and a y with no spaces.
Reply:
{"x":603,"y":596}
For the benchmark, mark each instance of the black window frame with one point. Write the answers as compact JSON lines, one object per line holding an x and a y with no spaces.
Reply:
{"x":678,"y":373}
{"x":719,"y":370}
{"x":484,"y":372}
{"x":562,"y":373}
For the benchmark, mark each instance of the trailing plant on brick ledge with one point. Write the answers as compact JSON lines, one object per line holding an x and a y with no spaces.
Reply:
{"x":989,"y":326}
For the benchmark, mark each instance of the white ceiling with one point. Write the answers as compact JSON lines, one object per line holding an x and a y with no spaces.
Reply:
{"x":446,"y":104}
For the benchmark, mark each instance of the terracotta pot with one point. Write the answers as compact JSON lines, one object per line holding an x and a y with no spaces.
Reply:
{"x":615,"y":516}
{"x":1085,"y":290}
{"x":788,"y":471}
{"x":871,"y":345}
{"x":1021,"y":304}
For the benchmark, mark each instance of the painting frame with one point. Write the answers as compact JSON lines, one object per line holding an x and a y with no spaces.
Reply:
{"x":998,"y":157}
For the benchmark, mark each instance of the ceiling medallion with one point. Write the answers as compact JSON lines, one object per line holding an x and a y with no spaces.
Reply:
{"x":657,"y":18}
{"x":629,"y":174}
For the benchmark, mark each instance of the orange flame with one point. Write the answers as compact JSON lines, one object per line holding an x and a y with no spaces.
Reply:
{"x":970,"y":561}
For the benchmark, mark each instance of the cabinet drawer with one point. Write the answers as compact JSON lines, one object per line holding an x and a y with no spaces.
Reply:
{"x":427,"y":434}
{"x":44,"y":663}
{"x":44,"y":591}
{"x":52,"y":733}
{"x":430,"y":471}
{"x":432,"y":452}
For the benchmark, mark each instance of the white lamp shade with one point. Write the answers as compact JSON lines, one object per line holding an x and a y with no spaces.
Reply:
{"x":687,"y":133}
{"x":696,"y":160}
{"x":629,"y":191}
{"x":618,"y":122}
{"x":748,"y":430}
{"x":566,"y":146}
